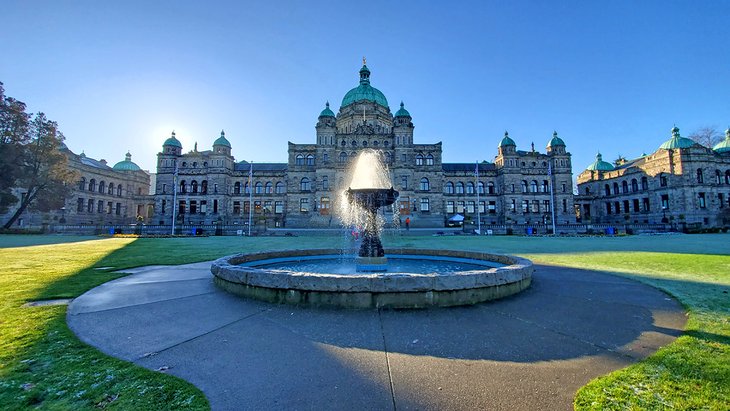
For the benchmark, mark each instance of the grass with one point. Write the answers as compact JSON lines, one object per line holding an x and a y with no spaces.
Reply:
{"x":42,"y":364}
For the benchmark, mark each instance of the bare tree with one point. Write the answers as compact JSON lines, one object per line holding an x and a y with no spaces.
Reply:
{"x":708,"y":136}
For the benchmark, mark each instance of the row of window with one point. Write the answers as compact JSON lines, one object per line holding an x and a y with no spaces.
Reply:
{"x":88,"y":206}
{"x":719,"y":178}
{"x":195,"y":207}
{"x":643,"y":206}
{"x":101,"y":188}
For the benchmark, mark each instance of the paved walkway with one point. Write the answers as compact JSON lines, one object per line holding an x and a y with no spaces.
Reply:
{"x":531,"y":351}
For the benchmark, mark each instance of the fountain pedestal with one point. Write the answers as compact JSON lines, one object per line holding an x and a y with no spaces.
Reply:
{"x":371,"y":256}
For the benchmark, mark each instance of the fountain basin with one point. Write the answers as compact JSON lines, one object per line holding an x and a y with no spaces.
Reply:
{"x":368,"y":290}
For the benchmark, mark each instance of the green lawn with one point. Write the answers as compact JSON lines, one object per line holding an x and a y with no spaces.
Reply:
{"x":43,"y":365}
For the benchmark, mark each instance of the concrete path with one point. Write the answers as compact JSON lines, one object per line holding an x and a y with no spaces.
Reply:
{"x":531,"y":351}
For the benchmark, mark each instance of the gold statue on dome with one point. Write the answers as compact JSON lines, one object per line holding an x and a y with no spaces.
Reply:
{"x":363,"y":61}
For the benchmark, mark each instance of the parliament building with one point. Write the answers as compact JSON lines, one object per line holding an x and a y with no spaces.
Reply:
{"x":211,"y":187}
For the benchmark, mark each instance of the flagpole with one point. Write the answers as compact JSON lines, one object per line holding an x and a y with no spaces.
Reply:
{"x":250,"y":196}
{"x":174,"y":197}
{"x":479,"y":214}
{"x":552,"y":195}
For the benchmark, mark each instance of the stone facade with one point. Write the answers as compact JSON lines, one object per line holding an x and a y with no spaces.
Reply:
{"x":210,"y":186}
{"x":682,"y":183}
{"x":103,"y":195}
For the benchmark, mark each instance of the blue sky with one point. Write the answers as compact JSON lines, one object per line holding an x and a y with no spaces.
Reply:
{"x":609,"y":76}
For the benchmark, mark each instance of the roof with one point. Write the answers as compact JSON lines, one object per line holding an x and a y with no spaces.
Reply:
{"x":724,"y":145}
{"x":245,"y":165}
{"x":600,"y":165}
{"x":676,"y":141}
{"x":91,"y":162}
{"x":402,"y":112}
{"x":364,"y":91}
{"x":327,"y":112}
{"x":172,"y":141}
{"x":127,"y":164}
{"x":507,"y":141}
{"x":222,"y":141}
{"x":556,"y":141}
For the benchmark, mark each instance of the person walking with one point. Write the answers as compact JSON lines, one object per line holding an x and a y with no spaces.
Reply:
{"x":408,"y":223}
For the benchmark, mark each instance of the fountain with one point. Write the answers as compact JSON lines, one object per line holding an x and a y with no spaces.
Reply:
{"x":376,"y":277}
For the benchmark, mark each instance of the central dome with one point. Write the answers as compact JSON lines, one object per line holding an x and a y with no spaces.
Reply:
{"x":364,"y":91}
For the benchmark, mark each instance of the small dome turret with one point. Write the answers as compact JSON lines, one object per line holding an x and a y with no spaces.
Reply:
{"x":556,"y":141}
{"x":127,"y":164}
{"x":507,"y":141}
{"x":676,"y":141}
{"x":402,"y":112}
{"x":222,"y":140}
{"x":600,"y":165}
{"x":327,"y":112}
{"x":724,"y":145}
{"x":172,"y":141}
{"x":364,"y":91}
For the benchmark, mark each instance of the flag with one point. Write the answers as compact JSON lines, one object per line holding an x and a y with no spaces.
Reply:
{"x":250,"y":174}
{"x":476,"y":170}
{"x":550,"y":169}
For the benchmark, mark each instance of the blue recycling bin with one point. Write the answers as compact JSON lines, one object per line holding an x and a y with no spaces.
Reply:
{"x":111,"y":230}
{"x":529,"y":230}
{"x":610,"y":231}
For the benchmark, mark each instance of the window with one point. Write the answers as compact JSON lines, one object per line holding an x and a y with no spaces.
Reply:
{"x":565,"y":205}
{"x":163,"y":207}
{"x":419,"y":160}
{"x":280,"y":189}
{"x":644,"y":183}
{"x":460,"y":206}
{"x":102,"y":187}
{"x":702,"y":201}
{"x":246,"y":188}
{"x":110,"y":189}
{"x":480,"y":187}
{"x":470,"y":188}
{"x":645,"y":204}
{"x":545,"y":188}
{"x":700,"y":176}
{"x":490,"y":188}
{"x":119,"y":190}
{"x":607,"y":189}
{"x":109,"y":207}
{"x":470,"y":207}
{"x":236,"y":207}
{"x":324,"y":206}
{"x":100,"y":206}
{"x":634,"y":185}
{"x":450,"y":207}
{"x":303,"y":205}
{"x":425,"y":185}
{"x":535,"y":206}
{"x":246,"y":207}
{"x":425,"y":205}
{"x":326,"y":157}
{"x":182,"y":186}
{"x":635,"y":204}
{"x":343,"y":157}
{"x":525,"y":206}
{"x":237,"y":187}
{"x":563,"y":187}
{"x":449,"y":188}
{"x":194,"y":186}
{"x":429,"y":160}
{"x":492,"y":207}
{"x":727,"y":177}
{"x":533,"y":186}
{"x":310,"y":160}
{"x":624,"y":187}
{"x":80,"y":205}
{"x":90,"y":206}
{"x":626,"y":206}
{"x":663,"y":181}
{"x":215,"y":206}
{"x":665,"y":201}
{"x":459,"y":188}
{"x":617,"y":207}
{"x":721,"y":199}
{"x":193,"y":207}
{"x":513,"y":205}
{"x":258,"y":188}
{"x":524,"y":186}
{"x":118,"y":210}
{"x":608,"y":208}
{"x":299,"y":160}
{"x":615,"y":188}
{"x":204,"y":187}
{"x":325,"y":183}
{"x":92,"y":185}
{"x":546,"y":206}
{"x":82,"y":184}
{"x":278,"y":207}
{"x":305,"y":185}
{"x":404,"y":182}
{"x":403,"y":158}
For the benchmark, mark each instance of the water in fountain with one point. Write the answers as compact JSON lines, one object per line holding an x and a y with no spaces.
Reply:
{"x":368,"y":171}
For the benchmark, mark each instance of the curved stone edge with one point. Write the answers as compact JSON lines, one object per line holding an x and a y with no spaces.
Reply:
{"x":373,"y":289}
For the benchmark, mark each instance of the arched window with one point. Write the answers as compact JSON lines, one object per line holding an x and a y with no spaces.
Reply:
{"x":258,"y":188}
{"x":727,"y":177}
{"x":280,"y":189}
{"x":194,"y":186}
{"x":624,"y":187}
{"x":419,"y":160}
{"x":634,"y":185}
{"x":545,"y":186}
{"x":204,"y":187}
{"x":237,"y":187}
{"x":490,"y":188}
{"x":102,"y":186}
{"x":608,"y":189}
{"x":299,"y":160}
{"x":429,"y":160}
{"x":425,"y":186}
{"x":459,"y":188}
{"x":644,"y":183}
{"x":182,"y":186}
{"x":449,"y":188}
{"x":533,"y":186}
{"x":388,"y":157}
{"x":310,"y":160}
{"x":343,"y":157}
{"x":470,"y":188}
{"x":269,"y":188}
{"x":615,"y":188}
{"x":325,"y":157}
{"x":305,"y":185}
{"x":325,"y":183}
{"x":110,"y":189}
{"x":92,"y":185}
{"x":718,"y":177}
{"x":119,"y":190}
{"x":700,"y":176}
{"x":246,"y":188}
{"x":480,"y":187}
{"x":524,"y":186}
{"x":82,"y":184}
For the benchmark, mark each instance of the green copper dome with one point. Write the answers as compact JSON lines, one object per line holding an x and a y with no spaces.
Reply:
{"x":127,"y":164}
{"x":556,"y":141}
{"x":172,"y":141}
{"x":506,"y":141}
{"x":327,"y":112}
{"x":222,"y":140}
{"x":724,"y":145}
{"x":677,"y":141}
{"x":600,"y":165}
{"x":402,"y":112}
{"x":364,"y":91}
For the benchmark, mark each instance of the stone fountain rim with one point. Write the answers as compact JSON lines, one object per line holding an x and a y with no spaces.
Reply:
{"x":516,"y":270}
